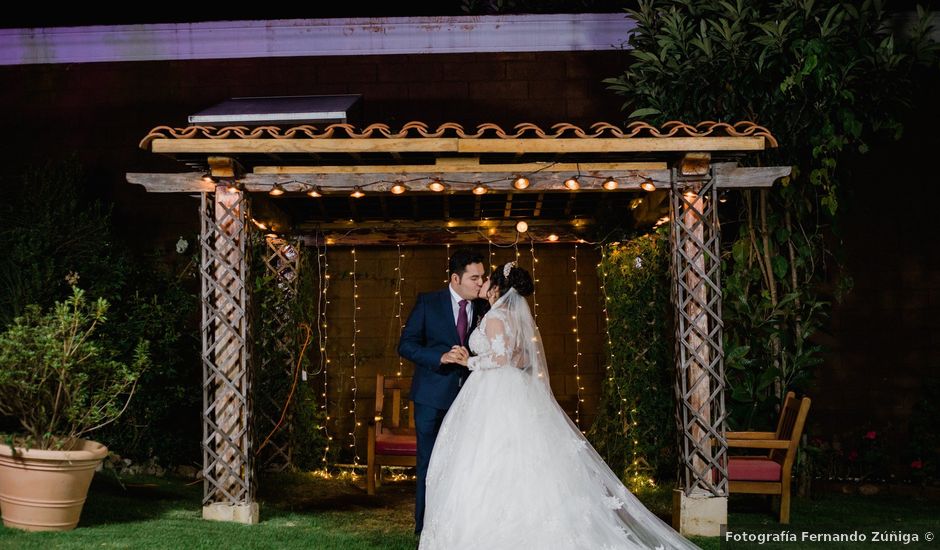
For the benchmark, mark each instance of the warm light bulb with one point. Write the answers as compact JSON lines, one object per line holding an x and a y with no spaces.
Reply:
{"x":479,"y":189}
{"x":572,"y":183}
{"x":522,"y":227}
{"x":610,"y":184}
{"x":648,"y":185}
{"x":314,"y":192}
{"x":398,"y":188}
{"x":357,"y":193}
{"x":276,"y":191}
{"x":437,"y":185}
{"x":553,"y":237}
{"x":521,"y":182}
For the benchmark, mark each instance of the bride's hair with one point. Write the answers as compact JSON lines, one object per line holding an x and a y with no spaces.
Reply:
{"x":518,"y":278}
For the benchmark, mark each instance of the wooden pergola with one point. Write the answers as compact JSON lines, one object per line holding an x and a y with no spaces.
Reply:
{"x":451,"y":184}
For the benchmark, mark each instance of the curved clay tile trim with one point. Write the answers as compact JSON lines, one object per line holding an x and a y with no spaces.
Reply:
{"x":414,"y":129}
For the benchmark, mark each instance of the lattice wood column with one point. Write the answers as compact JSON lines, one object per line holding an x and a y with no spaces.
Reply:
{"x":279,"y":351}
{"x":228,"y":449}
{"x":699,"y":354}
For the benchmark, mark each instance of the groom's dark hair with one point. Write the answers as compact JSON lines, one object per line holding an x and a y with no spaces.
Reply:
{"x":461,"y":258}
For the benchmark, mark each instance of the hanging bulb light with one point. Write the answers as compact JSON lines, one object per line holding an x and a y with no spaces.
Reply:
{"x":276,"y":191}
{"x":572,"y":183}
{"x":398,"y":188}
{"x":521,"y":182}
{"x":357,"y":193}
{"x":522,"y":226}
{"x":610,"y":184}
{"x":553,"y":237}
{"x":480,"y":189}
{"x":314,"y":192}
{"x":437,"y":185}
{"x":648,"y":185}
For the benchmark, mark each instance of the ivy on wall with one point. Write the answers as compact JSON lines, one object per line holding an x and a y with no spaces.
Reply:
{"x":635,"y":428}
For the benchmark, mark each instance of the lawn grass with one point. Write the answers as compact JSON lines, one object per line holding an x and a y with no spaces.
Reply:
{"x":309,"y":512}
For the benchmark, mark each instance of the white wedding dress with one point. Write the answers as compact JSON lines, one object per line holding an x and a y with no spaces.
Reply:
{"x":510,"y":471}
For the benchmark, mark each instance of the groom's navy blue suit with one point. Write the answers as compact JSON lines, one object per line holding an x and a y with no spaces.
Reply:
{"x":430,"y":332}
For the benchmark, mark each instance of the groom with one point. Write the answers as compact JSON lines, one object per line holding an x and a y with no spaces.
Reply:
{"x":439,"y":322}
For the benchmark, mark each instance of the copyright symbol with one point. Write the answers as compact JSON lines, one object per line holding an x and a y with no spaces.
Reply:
{"x":928,"y":536}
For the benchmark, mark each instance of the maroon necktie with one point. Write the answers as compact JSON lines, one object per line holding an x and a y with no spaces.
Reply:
{"x":462,"y":321}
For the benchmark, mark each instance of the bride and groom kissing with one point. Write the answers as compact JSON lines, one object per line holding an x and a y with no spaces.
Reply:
{"x":500,"y":465}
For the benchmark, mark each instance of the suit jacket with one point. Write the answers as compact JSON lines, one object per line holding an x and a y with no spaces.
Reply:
{"x":429,"y":333}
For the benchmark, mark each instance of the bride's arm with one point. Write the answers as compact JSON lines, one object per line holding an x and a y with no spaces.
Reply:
{"x":498,"y":353}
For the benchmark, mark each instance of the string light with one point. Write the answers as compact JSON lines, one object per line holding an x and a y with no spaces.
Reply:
{"x":610,"y":343}
{"x":577,"y":338}
{"x":357,"y":193}
{"x":314,"y":192}
{"x":480,"y":189}
{"x":324,"y":342}
{"x":398,"y":188}
{"x":521,"y":182}
{"x":276,"y":191}
{"x":447,"y":264}
{"x":437,"y":185}
{"x":522,"y":226}
{"x":648,"y":185}
{"x":352,"y":354}
{"x":492,"y":256}
{"x":610,"y":184}
{"x":398,"y":316}
{"x":572,"y":183}
{"x":535,"y":300}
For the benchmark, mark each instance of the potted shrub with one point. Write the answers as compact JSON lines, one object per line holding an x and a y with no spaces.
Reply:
{"x":60,"y":382}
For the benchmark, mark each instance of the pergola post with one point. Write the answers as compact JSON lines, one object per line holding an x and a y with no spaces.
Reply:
{"x":228,"y":448}
{"x":278,"y":356}
{"x":700,"y":505}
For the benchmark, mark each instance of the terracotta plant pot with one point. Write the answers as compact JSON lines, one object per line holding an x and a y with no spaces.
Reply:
{"x":45,"y":490}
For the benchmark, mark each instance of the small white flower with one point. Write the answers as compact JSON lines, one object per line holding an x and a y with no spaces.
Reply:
{"x":638,"y":262}
{"x":182,"y":245}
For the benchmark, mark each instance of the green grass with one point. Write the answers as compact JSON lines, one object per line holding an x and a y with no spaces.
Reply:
{"x":305,"y":511}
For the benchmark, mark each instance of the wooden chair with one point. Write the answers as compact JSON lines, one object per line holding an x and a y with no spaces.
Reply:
{"x":390,"y":444}
{"x":769,"y":473}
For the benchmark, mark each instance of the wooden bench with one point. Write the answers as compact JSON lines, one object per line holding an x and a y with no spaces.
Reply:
{"x":390,"y":443}
{"x":769,"y":473}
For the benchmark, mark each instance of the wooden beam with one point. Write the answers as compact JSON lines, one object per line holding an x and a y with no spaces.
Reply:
{"x":695,"y":164}
{"x":729,"y":176}
{"x":268,"y":146}
{"x":611,"y":145}
{"x":224,"y":167}
{"x":507,"y":211}
{"x":457,"y":145}
{"x":451,"y":165}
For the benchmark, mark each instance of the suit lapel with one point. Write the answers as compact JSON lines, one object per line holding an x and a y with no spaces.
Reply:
{"x":447,"y":309}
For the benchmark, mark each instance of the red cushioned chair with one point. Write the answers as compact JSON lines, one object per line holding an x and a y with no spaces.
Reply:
{"x":769,"y":473}
{"x":390,"y":444}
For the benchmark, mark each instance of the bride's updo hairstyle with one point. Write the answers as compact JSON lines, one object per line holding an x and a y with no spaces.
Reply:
{"x":517,"y":278}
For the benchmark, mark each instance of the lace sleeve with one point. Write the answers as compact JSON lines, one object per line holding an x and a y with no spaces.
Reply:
{"x":498,"y":354}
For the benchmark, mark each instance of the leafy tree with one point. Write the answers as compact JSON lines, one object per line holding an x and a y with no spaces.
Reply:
{"x":828,"y":78}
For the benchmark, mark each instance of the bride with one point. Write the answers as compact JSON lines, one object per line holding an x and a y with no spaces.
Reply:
{"x":509,"y":470}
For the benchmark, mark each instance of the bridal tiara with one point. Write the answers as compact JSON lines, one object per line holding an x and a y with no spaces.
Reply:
{"x":507,"y":268}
